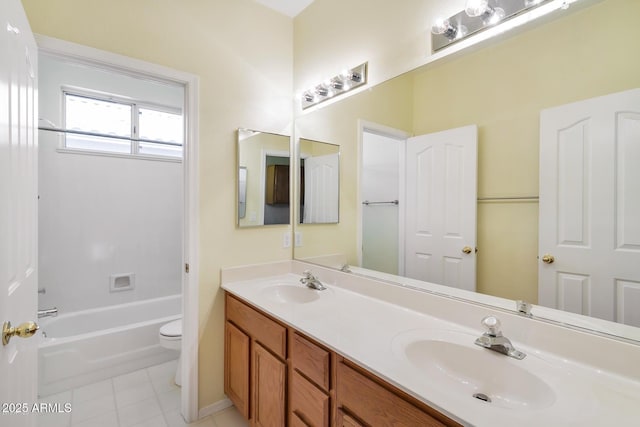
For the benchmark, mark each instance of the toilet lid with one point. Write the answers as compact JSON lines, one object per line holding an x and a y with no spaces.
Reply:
{"x":172,"y":329}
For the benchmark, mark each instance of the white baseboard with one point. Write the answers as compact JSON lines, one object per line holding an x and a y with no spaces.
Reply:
{"x":213,"y":408}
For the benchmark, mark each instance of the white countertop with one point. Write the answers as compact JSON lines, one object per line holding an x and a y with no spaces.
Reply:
{"x":372,"y":332}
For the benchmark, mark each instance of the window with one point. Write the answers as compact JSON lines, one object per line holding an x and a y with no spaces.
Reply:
{"x":110,"y":125}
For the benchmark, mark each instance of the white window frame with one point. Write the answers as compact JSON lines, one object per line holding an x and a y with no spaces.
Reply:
{"x":134,"y":139}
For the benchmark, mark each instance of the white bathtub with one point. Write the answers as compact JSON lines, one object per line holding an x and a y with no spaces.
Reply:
{"x":87,"y":346}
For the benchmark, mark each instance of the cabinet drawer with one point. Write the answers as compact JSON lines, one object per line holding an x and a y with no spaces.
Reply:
{"x":261,"y":328}
{"x":297,"y":422}
{"x":345,"y":420}
{"x":375,"y":404}
{"x":312,"y":360}
{"x":308,"y":402}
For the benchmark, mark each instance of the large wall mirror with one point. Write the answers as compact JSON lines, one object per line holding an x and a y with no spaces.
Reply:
{"x":263,"y":178}
{"x":502,"y":90}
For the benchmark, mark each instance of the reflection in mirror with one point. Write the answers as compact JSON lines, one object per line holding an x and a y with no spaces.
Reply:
{"x":319,"y":182}
{"x":263,"y":178}
{"x":502,"y":89}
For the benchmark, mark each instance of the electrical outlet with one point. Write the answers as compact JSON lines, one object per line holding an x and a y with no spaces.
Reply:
{"x":298,"y":239}
{"x":286,"y":240}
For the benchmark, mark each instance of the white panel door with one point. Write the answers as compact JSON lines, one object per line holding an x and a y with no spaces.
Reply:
{"x":441,"y":189}
{"x":18,"y":209}
{"x":590,"y":207}
{"x":321,"y":188}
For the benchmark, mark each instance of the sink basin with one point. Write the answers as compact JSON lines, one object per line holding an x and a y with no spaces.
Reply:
{"x":467,"y":370}
{"x":283,"y":293}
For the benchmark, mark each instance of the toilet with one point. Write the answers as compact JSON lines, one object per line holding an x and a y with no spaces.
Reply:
{"x":171,"y":337}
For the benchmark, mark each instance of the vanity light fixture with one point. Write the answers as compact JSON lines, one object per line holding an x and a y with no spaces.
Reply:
{"x":337,"y":85}
{"x":479,"y":15}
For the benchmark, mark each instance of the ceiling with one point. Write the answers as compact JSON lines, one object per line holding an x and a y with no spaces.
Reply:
{"x":286,"y":7}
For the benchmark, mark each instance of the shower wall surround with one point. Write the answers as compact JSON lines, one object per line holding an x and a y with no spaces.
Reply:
{"x":101,"y":216}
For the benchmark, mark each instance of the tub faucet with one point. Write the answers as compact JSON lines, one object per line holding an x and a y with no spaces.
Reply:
{"x":312,"y":282}
{"x":494,"y":340}
{"x":50,"y":312}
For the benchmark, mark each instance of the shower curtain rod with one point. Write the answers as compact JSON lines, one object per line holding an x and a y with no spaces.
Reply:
{"x":104,"y":135}
{"x":392,"y":202}
{"x":509,"y":198}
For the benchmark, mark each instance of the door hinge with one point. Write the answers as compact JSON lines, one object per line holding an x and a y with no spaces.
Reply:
{"x":186,"y":268}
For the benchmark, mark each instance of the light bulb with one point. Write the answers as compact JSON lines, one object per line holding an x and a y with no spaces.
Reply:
{"x":440,"y":26}
{"x":496,"y":15}
{"x":475,"y":8}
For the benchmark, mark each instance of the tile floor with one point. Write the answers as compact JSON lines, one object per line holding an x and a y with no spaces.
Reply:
{"x":144,"y":398}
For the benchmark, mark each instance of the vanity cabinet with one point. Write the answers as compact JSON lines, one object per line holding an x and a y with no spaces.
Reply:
{"x":255,"y":373}
{"x":276,"y":377}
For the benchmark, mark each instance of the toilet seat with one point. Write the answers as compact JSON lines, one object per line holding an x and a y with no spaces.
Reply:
{"x":171,"y":335}
{"x":172,"y":330}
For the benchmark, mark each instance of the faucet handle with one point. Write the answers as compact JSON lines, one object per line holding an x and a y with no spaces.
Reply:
{"x":492,"y":325}
{"x":307,"y":274}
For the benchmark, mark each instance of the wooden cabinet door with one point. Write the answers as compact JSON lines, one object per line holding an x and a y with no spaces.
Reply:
{"x":236,"y":368}
{"x":269,"y":379}
{"x":345,"y":420}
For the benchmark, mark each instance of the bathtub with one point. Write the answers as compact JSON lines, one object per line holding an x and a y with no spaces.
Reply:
{"x":87,"y":346}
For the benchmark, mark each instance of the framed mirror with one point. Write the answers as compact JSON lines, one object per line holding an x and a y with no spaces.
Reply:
{"x":502,"y":89}
{"x":263,"y":178}
{"x":319,"y":182}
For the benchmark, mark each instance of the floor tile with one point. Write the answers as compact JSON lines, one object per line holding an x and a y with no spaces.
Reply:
{"x":162,"y":385}
{"x":133,"y":379}
{"x":229,"y":417}
{"x":170,"y":400}
{"x":93,"y":391}
{"x":109,"y":419}
{"x":64,"y":397}
{"x":134,"y":394}
{"x":92,"y":408}
{"x":157,"y":421}
{"x":54,"y":420}
{"x":174,"y":418}
{"x":164,"y":370}
{"x":139,"y":412}
{"x":206,"y":422}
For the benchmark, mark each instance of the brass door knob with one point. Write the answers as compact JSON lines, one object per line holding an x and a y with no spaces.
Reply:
{"x":548,"y":259}
{"x":467,"y":250}
{"x":25,"y":330}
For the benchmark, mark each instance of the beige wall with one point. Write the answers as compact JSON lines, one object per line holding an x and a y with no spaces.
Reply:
{"x":243,"y":55}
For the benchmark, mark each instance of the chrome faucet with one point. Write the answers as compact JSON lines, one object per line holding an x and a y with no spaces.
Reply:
{"x":50,"y":312}
{"x":494,"y":340}
{"x":311,"y":281}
